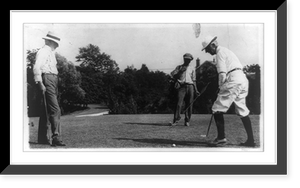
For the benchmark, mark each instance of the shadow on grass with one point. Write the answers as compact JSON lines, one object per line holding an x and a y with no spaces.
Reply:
{"x":184,"y":143}
{"x":167,"y":142}
{"x":153,"y":124}
{"x":36,"y":143}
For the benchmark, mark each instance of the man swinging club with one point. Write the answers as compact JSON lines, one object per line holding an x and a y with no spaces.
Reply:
{"x":233,"y":88}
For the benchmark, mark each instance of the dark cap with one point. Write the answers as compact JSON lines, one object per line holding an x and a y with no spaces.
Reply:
{"x":188,"y":56}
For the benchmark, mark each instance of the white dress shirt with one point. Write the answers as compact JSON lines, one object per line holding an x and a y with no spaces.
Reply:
{"x":226,"y":60}
{"x":188,"y":76}
{"x":45,"y":63}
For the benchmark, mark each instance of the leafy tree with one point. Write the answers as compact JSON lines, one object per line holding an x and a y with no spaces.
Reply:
{"x":207,"y":84}
{"x":98,"y":71}
{"x":254,"y":96}
{"x":33,"y":98}
{"x":136,"y":91}
{"x":69,"y":91}
{"x":150,"y":89}
{"x":91,"y":57}
{"x":122,"y":94}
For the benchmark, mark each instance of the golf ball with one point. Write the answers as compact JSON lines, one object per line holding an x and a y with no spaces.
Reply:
{"x":173,"y":145}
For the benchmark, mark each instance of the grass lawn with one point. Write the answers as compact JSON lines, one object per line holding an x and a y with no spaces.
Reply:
{"x":143,"y":131}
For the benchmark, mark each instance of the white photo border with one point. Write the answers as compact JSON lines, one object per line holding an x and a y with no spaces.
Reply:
{"x":140,"y":160}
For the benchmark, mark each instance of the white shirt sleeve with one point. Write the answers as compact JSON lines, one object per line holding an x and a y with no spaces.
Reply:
{"x":193,"y":75}
{"x":41,"y":58}
{"x":221,"y":62}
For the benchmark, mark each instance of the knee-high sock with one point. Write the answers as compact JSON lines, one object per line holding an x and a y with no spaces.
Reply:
{"x":219,"y":119}
{"x":248,"y":127}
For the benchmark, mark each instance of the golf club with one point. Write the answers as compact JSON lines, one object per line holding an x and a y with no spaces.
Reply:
{"x":208,"y":128}
{"x":190,"y":104}
{"x":47,"y":117}
{"x":202,"y":91}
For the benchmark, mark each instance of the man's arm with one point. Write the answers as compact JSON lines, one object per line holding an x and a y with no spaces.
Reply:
{"x":175,"y":72}
{"x":41,"y":58}
{"x":221,"y":67}
{"x":193,"y":76}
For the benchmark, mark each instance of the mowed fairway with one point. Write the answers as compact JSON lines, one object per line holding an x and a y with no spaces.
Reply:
{"x":143,"y":131}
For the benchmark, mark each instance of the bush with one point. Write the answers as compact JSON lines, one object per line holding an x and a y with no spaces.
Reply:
{"x":69,"y":91}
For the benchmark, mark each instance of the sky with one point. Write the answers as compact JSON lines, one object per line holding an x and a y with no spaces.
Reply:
{"x":159,"y":46}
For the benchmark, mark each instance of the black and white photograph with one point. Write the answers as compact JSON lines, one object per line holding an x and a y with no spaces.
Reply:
{"x":148,"y":92}
{"x":144,"y":86}
{"x":153,"y":98}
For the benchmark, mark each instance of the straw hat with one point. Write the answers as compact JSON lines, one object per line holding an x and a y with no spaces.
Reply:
{"x":208,"y":40}
{"x":53,"y":37}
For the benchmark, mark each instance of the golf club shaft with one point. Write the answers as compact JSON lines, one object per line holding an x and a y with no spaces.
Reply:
{"x":46,"y":112}
{"x":190,"y":104}
{"x":212,"y":115}
{"x":202,"y":91}
{"x":47,"y":118}
{"x":45,"y":106}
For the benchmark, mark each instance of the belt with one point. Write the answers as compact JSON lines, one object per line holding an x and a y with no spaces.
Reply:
{"x":233,"y":70}
{"x":51,"y":74}
{"x":188,"y":83}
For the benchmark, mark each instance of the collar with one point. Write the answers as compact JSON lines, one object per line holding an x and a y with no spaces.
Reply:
{"x":218,"y":49}
{"x":185,"y":65}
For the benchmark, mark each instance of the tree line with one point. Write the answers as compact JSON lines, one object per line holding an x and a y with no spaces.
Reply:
{"x":98,"y":80}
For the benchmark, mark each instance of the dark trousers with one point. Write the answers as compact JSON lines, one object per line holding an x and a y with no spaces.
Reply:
{"x":50,"y":81}
{"x":184,"y":93}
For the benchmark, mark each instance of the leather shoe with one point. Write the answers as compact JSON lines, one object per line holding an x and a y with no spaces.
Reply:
{"x":187,"y":124}
{"x":219,"y":141}
{"x":56,"y":142}
{"x":174,"y":122}
{"x":248,"y":144}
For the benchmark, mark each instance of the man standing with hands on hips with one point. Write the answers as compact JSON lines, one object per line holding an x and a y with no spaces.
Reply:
{"x":45,"y":76}
{"x":233,"y":88}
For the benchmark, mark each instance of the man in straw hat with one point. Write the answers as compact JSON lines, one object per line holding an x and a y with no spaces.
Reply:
{"x":185,"y":77}
{"x":233,"y":88}
{"x":45,"y":75}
